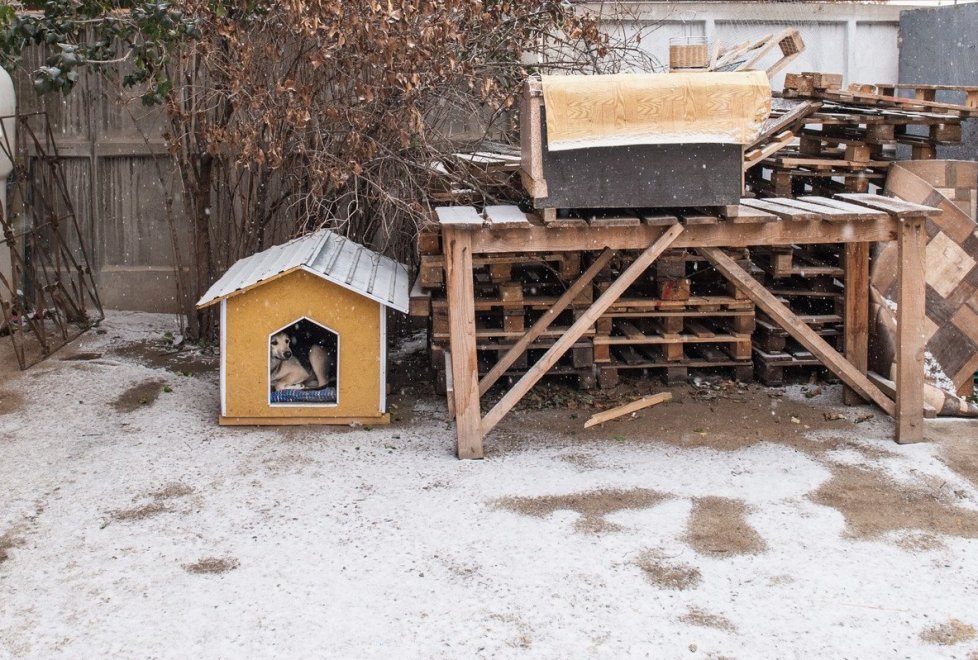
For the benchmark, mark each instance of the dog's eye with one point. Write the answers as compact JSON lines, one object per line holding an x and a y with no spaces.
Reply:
{"x":275,"y":342}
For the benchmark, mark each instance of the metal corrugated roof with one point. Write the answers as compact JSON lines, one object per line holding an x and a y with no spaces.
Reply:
{"x":326,"y":254}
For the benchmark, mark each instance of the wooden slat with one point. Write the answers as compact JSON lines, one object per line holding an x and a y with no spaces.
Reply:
{"x":722,"y":234}
{"x":853,"y":212}
{"x":755,"y":156}
{"x":615,"y":221}
{"x":891,"y":205}
{"x":889,"y":388}
{"x":506,"y":217}
{"x":828,"y":213}
{"x":543,"y":323}
{"x":660,"y":340}
{"x":773,"y":127}
{"x":751,"y":215}
{"x":538,"y":370}
{"x":694,"y":218}
{"x":628,"y":408}
{"x":462,"y":216}
{"x":801,"y":332}
{"x":838,"y":204}
{"x":775,"y":207}
{"x":659,"y":220}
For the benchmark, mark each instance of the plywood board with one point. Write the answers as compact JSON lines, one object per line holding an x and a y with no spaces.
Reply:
{"x":632,"y":109}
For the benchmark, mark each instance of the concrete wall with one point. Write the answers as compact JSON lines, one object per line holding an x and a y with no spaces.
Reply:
{"x":940,"y":46}
{"x":856,"y":40}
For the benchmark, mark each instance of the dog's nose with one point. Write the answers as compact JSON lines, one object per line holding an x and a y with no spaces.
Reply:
{"x":287,"y":354}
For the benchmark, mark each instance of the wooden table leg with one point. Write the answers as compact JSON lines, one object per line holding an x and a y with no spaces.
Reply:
{"x":461,"y":322}
{"x":911,"y":310}
{"x":857,"y":312}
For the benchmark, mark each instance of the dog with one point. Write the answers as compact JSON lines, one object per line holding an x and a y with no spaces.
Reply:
{"x":294,"y":366}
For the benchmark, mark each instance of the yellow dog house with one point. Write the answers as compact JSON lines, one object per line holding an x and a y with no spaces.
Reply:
{"x":321,"y":289}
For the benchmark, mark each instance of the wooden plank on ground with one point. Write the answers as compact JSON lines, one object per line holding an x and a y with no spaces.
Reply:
{"x":889,"y":388}
{"x":807,"y":337}
{"x":628,"y":408}
{"x":581,"y":326}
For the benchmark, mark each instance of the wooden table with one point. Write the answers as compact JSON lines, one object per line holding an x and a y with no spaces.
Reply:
{"x":855,"y":219}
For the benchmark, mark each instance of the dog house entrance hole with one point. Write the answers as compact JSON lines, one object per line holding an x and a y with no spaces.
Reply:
{"x":303,"y":365}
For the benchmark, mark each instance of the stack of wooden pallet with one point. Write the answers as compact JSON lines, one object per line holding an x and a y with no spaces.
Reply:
{"x":822,"y":140}
{"x":808,"y":279}
{"x":847,"y":139}
{"x":512,"y":291}
{"x":681,"y":315}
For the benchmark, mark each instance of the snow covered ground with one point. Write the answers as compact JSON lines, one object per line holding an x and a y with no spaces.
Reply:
{"x":132,"y":525}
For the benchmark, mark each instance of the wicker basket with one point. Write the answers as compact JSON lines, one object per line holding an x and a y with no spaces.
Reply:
{"x":688,"y":53}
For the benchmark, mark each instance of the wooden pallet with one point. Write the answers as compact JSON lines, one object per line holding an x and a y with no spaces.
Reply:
{"x":769,"y":368}
{"x":679,"y":372}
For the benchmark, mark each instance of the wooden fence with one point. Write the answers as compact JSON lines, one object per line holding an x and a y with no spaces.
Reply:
{"x":116,"y":167}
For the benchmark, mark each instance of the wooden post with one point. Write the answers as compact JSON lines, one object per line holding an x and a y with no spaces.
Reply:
{"x":857,"y":312}
{"x":559,"y":347}
{"x":912,"y":240}
{"x":461,"y":320}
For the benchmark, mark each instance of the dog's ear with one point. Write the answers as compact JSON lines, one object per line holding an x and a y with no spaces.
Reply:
{"x":292,"y":339}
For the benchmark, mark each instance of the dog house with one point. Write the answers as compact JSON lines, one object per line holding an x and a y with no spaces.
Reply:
{"x":303,"y":333}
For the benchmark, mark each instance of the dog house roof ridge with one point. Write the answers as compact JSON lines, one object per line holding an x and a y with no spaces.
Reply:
{"x":327,"y":255}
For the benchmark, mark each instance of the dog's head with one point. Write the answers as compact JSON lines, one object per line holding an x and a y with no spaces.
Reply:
{"x":281,"y":346}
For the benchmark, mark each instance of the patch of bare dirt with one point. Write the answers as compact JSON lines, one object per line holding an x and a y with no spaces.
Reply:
{"x":668,"y":575}
{"x":729,"y":417}
{"x":137,"y":396}
{"x":212,"y":565}
{"x":592,"y":506}
{"x":873,"y":505}
{"x":582,"y":461}
{"x":159,"y":355}
{"x":920,"y":542}
{"x":81,"y":357}
{"x":11,"y":402}
{"x":961,"y":455}
{"x":140,"y":512}
{"x":172,"y":490}
{"x":699,"y":617}
{"x":718,"y":526}
{"x":950,"y":633}
{"x":8,"y":541}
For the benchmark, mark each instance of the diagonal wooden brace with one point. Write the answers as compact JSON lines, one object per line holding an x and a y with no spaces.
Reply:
{"x":568,"y":339}
{"x":797,"y":328}
{"x":517,"y":349}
